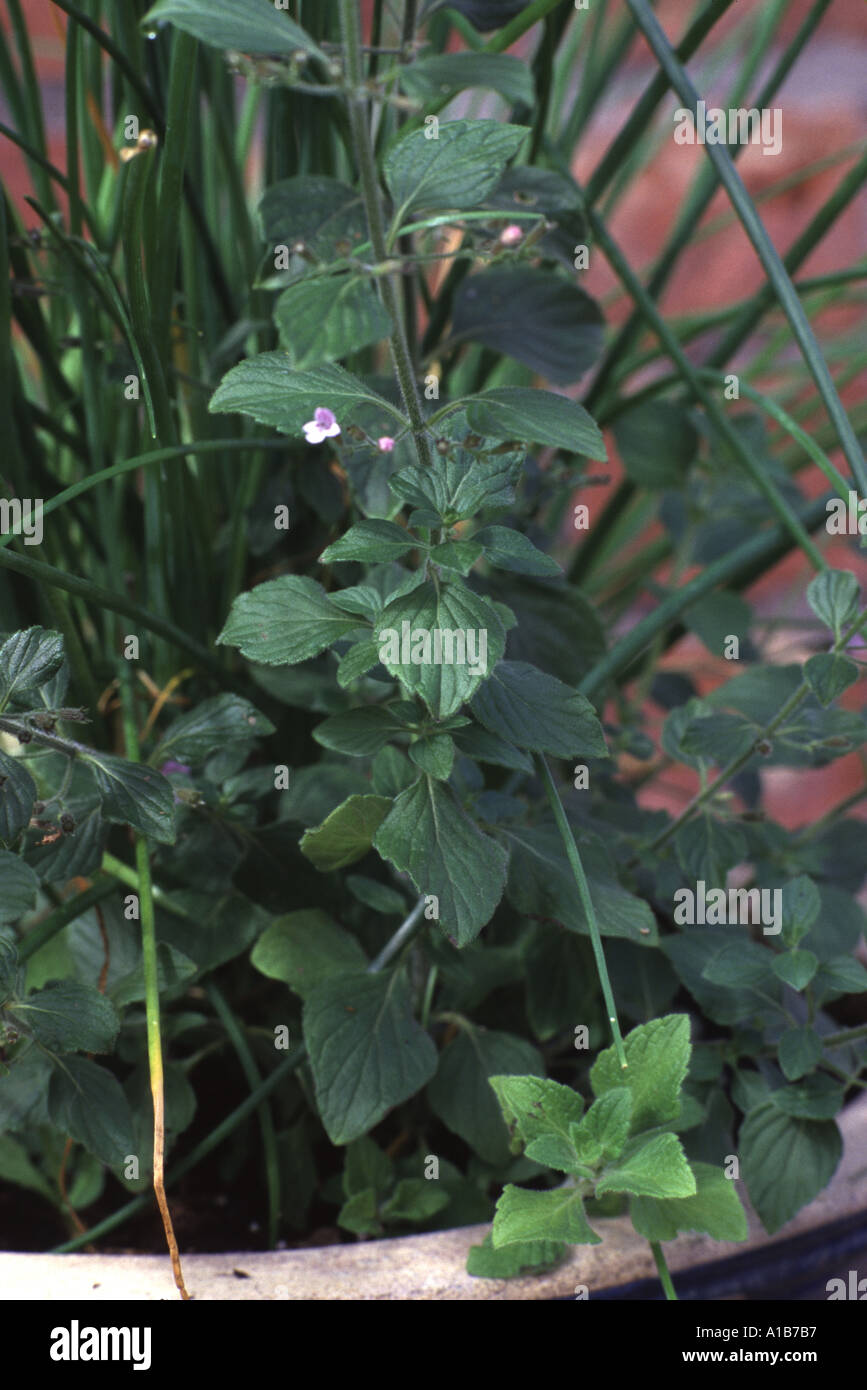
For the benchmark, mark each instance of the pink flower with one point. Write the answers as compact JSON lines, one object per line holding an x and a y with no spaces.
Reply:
{"x":511,"y":235}
{"x":322,"y":426}
{"x":385,"y":444}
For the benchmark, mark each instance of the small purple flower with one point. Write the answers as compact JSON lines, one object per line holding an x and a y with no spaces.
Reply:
{"x":385,"y":444}
{"x":511,"y":235}
{"x":172,"y":766}
{"x":322,"y":426}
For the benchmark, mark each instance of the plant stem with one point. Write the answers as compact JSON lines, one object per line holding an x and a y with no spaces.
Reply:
{"x":401,"y":355}
{"x":586,"y":901}
{"x":152,"y":989}
{"x":55,"y":921}
{"x":405,"y":931}
{"x":662,"y":1270}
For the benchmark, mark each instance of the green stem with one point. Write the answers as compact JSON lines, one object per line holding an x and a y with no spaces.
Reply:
{"x":55,"y":921}
{"x":577,"y":868}
{"x":662,"y":1271}
{"x":401,"y":355}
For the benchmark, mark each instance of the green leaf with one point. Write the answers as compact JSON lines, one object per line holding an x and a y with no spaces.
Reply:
{"x":833,"y":596}
{"x":285,"y":620}
{"x":841,"y":975}
{"x":427,"y":835}
{"x":534,"y":1107}
{"x":18,"y":887}
{"x":456,"y":555}
{"x":657,"y":1056}
{"x":435,"y":756}
{"x":557,"y":629}
{"x":534,"y":710}
{"x":68,"y":1016}
{"x":603,"y":1131}
{"x":245,"y":26}
{"x":486,"y":747}
{"x":366,"y":1168}
{"x":213,"y":724}
{"x":658,"y":1169}
{"x":347,"y":834}
{"x":461,"y":1097}
{"x":488,"y":14}
{"x":555,"y":1215}
{"x":537,"y":417}
{"x":366,"y":1050}
{"x":370,"y":540}
{"x":355,"y":663}
{"x":377,"y":896}
{"x":799,"y":1051}
{"x":174,"y":971}
{"x":323,"y":319}
{"x":359,"y":1214}
{"x":828,"y":674}
{"x":440,"y":641}
{"x":456,"y":170}
{"x":416,"y":1200}
{"x":718,"y":738}
{"x":306,"y":948}
{"x":324,"y":214}
{"x":269,"y":389}
{"x":795,"y":968}
{"x":786,"y":1162}
{"x":16,"y":1167}
{"x":484,"y":1262}
{"x":512,"y":550}
{"x":714,"y":1210}
{"x":8,"y":966}
{"x":135,"y":795}
{"x":738,"y":966}
{"x":438,"y":74}
{"x":801,"y":904}
{"x":554,"y":1152}
{"x":17,"y":795}
{"x":708,"y":848}
{"x":717,"y":616}
{"x":86,"y":1102}
{"x":362,"y":732}
{"x":657,"y":442}
{"x":27,"y":661}
{"x":535,"y":316}
{"x":817,"y":1097}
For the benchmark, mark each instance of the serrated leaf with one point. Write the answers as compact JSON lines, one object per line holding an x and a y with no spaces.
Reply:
{"x":88,"y":1103}
{"x":461,"y":1096}
{"x":795,"y":968}
{"x":533,"y":710}
{"x":373,"y":540}
{"x":657,"y":1055}
{"x":135,"y":795}
{"x":801,"y":903}
{"x":534,"y":315}
{"x":18,"y":887}
{"x":360,"y":732}
{"x":17,"y":795}
{"x":459,"y":556}
{"x":816,"y":1097}
{"x":346,"y":834}
{"x":718,"y":738}
{"x":799,"y":1050}
{"x":833,"y":596}
{"x":440,"y":641}
{"x":603,"y":1131}
{"x":306,"y":948}
{"x":321,"y":212}
{"x":484,"y":1262}
{"x":486,"y":747}
{"x":558,"y":1215}
{"x":246,"y":26}
{"x":427,"y":835}
{"x":714,"y":1210}
{"x":456,"y":170}
{"x":355,"y":663}
{"x":537,"y":417}
{"x":512,"y":550}
{"x":221,"y":720}
{"x":268,"y":388}
{"x":786,"y":1162}
{"x":554,"y":1152}
{"x":658,"y":1169}
{"x":535,"y":1106}
{"x":324,"y":319}
{"x":414,"y":1199}
{"x":28,"y":660}
{"x":439,"y":74}
{"x":366,"y":1050}
{"x":68,"y":1016}
{"x":285,"y":620}
{"x":708,"y":848}
{"x":828,"y":674}
{"x":456,"y":487}
{"x":435,"y":756}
